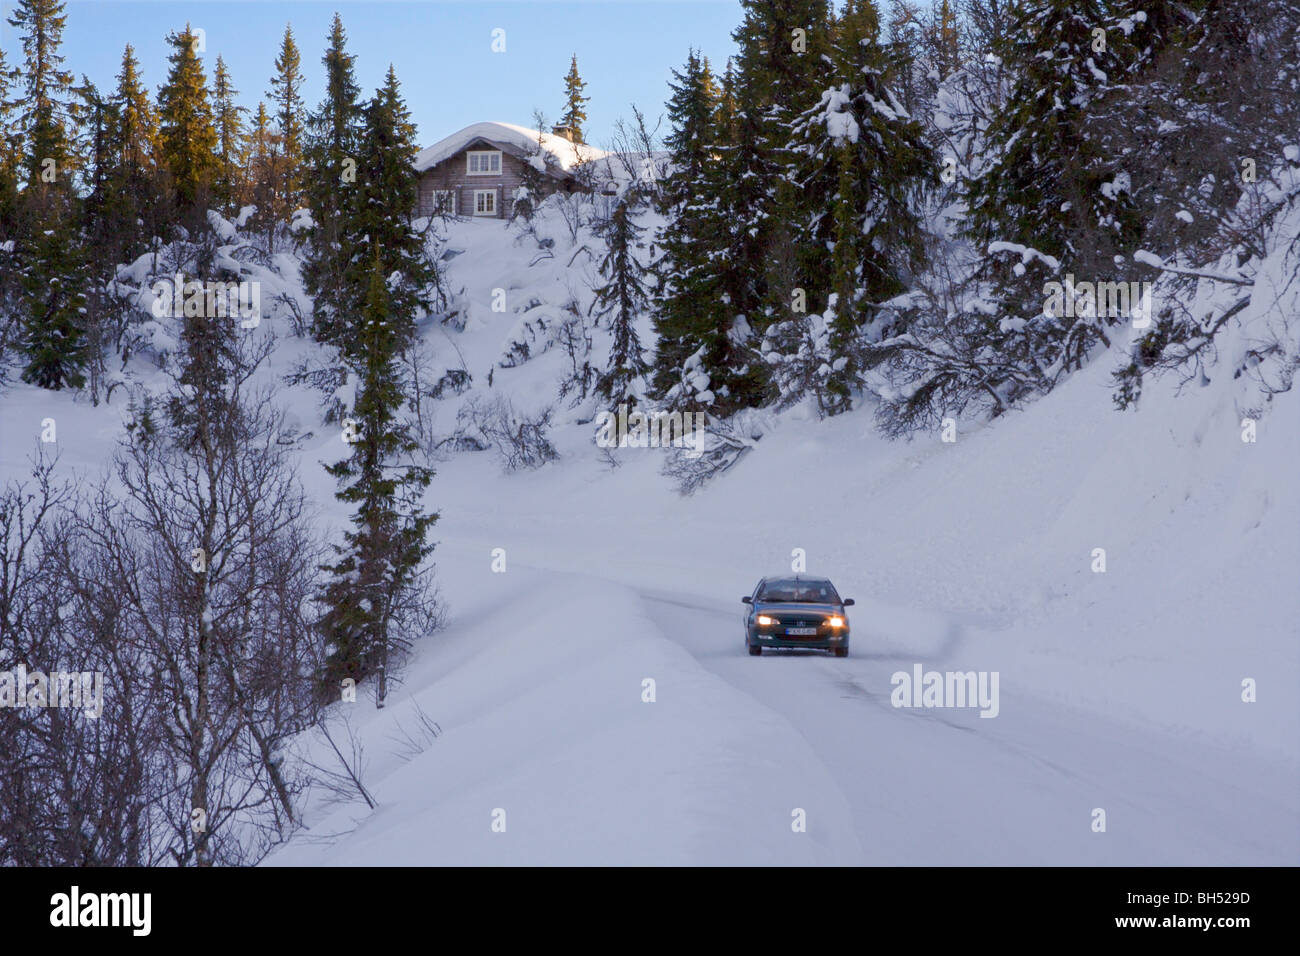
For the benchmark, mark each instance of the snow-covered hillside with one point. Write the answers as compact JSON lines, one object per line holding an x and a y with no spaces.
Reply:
{"x":1120,"y":690}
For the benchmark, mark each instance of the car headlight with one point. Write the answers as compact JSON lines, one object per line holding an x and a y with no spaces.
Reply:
{"x":764,"y":621}
{"x":835,"y":621}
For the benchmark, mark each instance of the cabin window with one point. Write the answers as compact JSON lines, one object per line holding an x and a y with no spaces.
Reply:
{"x":485,"y":202}
{"x":444,"y":202}
{"x":483,"y":162}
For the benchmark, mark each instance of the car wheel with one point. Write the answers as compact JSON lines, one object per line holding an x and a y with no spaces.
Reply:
{"x":755,"y":650}
{"x":841,"y":651}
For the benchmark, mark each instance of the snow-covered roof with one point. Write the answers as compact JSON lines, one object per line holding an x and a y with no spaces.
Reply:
{"x":520,"y":137}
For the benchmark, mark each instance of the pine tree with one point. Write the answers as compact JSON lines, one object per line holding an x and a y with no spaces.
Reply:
{"x":384,"y":211}
{"x":378,"y":565}
{"x":781,"y":70}
{"x":259,"y":155}
{"x":48,"y":248}
{"x":728,"y":265}
{"x":333,"y":141}
{"x":685,"y":285}
{"x":944,"y":47}
{"x":382,"y":554}
{"x":1054,"y":189}
{"x":691,"y":111}
{"x":187,"y":135}
{"x":862,"y":164}
{"x":288,"y":114}
{"x":10,"y":165}
{"x":134,"y":178}
{"x":53,"y":281}
{"x":137,"y":120}
{"x":112,"y":211}
{"x":45,"y":118}
{"x":209,"y":356}
{"x":712,"y":276}
{"x":619,"y":303}
{"x":230,"y":187}
{"x":741,"y":243}
{"x":575,"y":104}
{"x":783,"y":49}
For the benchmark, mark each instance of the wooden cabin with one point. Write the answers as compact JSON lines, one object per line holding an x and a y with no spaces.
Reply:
{"x":478,"y":171}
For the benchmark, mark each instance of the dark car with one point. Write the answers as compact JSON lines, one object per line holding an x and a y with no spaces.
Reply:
{"x":797,"y":611}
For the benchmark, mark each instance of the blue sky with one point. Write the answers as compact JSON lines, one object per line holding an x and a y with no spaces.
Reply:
{"x":441,"y":50}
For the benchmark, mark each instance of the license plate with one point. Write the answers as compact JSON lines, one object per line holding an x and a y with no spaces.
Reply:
{"x":800,"y":631}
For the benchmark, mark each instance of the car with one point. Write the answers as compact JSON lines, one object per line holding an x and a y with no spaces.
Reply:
{"x":795,"y":610}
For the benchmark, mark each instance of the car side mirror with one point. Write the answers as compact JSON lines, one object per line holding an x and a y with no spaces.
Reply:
{"x":747,"y":600}
{"x":848,"y":602}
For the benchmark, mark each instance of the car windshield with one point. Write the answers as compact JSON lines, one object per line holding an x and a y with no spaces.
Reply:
{"x":799,"y":592}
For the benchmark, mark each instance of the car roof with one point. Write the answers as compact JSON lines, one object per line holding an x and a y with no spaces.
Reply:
{"x":799,"y":578}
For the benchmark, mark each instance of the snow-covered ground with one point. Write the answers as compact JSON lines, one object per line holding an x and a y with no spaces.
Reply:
{"x":1119,"y":691}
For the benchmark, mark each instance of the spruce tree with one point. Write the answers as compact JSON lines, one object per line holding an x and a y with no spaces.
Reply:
{"x":135,"y":176}
{"x":378,"y":565}
{"x":862,"y":166}
{"x":783,"y":45}
{"x":712,"y":276}
{"x":1045,"y":190}
{"x":49,"y":251}
{"x":691,"y":111}
{"x":137,"y":129}
{"x":187,"y":136}
{"x":10,"y":165}
{"x":1214,"y":99}
{"x":333,"y":140}
{"x":740,"y":247}
{"x":943,"y":42}
{"x":54,"y":280}
{"x":679,"y":270}
{"x":209,"y":358}
{"x":288,"y":114}
{"x":1055,"y":195}
{"x":781,"y":70}
{"x":258,"y":150}
{"x":381,"y":554}
{"x":384,"y":212}
{"x":111,"y":216}
{"x":575,"y":104}
{"x":45,"y":116}
{"x":725,"y":116}
{"x":716,"y":299}
{"x":230,"y":187}
{"x":684,"y":280}
{"x":619,"y":303}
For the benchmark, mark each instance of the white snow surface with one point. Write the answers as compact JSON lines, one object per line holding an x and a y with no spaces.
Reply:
{"x":1120,"y":690}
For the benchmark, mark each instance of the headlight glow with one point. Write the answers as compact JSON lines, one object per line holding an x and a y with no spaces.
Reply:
{"x":835,"y":621}
{"x":765,"y":621}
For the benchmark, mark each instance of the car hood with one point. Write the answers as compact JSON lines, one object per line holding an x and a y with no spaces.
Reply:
{"x":799,"y":607}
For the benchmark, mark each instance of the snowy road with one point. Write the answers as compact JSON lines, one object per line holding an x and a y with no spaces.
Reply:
{"x":948,"y":787}
{"x":1120,"y":691}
